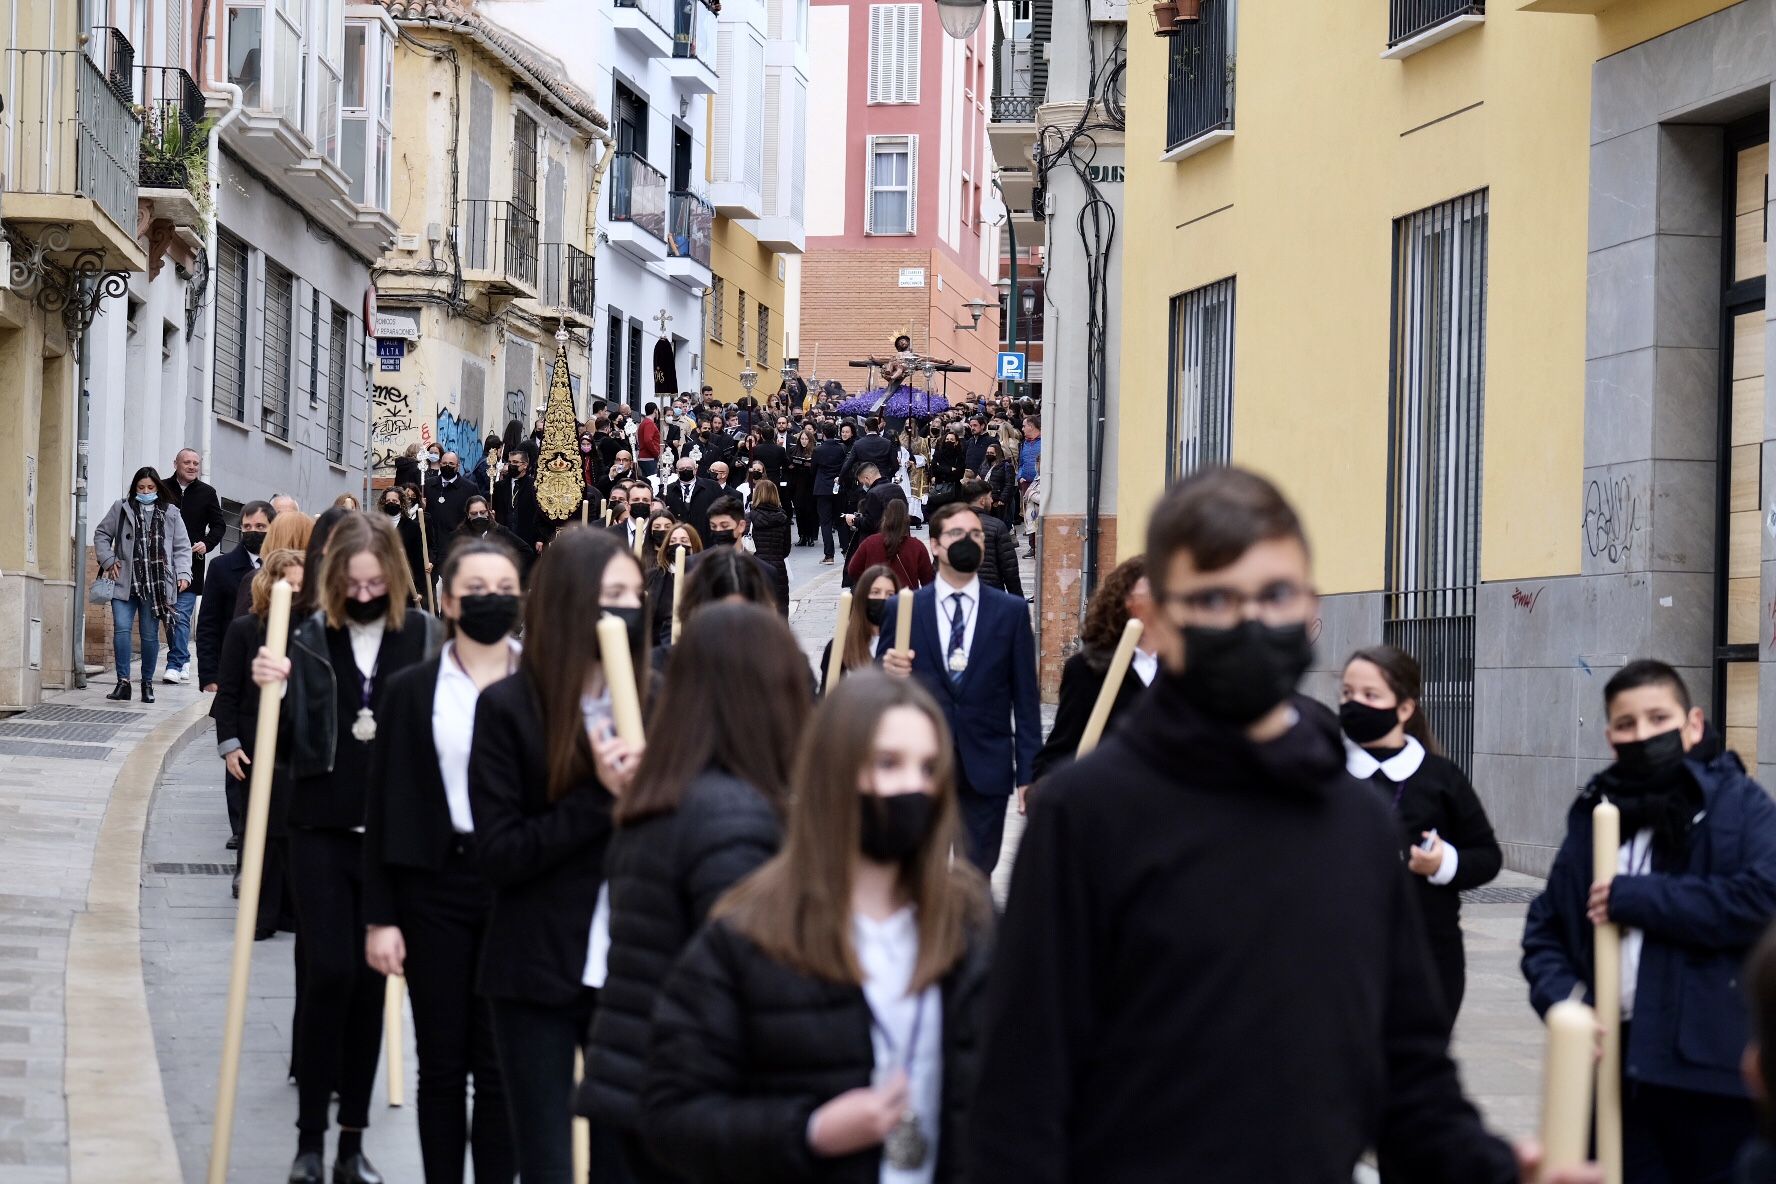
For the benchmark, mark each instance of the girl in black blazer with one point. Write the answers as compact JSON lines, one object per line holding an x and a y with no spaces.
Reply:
{"x":544,"y":770}
{"x":424,"y":902}
{"x":338,"y":669}
{"x":1446,"y":839}
{"x":704,"y":812}
{"x":1122,"y":595}
{"x":236,"y":712}
{"x":825,"y":1021}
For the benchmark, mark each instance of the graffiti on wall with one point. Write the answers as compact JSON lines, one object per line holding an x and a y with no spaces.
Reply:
{"x":461,"y":436}
{"x":1612,"y":514}
{"x":393,"y":425}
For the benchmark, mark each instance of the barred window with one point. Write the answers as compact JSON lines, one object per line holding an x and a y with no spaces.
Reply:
{"x":764,"y":341}
{"x":230,"y":394}
{"x":1202,"y":377}
{"x":718,"y":297}
{"x":280,"y":298}
{"x":339,"y":342}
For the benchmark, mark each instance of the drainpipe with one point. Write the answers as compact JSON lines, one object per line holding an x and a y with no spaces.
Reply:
{"x":82,"y":446}
{"x":215,"y":165}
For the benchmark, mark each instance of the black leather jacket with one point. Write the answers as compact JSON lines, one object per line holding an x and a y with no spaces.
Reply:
{"x":309,"y":724}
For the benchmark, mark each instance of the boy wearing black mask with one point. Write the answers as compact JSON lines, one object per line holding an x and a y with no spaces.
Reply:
{"x":1695,"y":887}
{"x":1210,"y":967}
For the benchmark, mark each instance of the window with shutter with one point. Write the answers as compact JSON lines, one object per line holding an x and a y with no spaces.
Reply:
{"x":717,"y":299}
{"x":894,"y":53}
{"x":891,"y":184}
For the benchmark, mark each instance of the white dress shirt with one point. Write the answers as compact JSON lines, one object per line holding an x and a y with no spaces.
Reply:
{"x":1361,"y":764}
{"x":1634,"y":858}
{"x":887,"y":951}
{"x":596,"y":710}
{"x":946,"y":600}
{"x":453,"y":732}
{"x":1146,"y":666}
{"x":366,"y":642}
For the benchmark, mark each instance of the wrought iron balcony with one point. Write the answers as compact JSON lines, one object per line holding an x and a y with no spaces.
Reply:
{"x":638,"y":194}
{"x":693,"y":220}
{"x":1409,"y":18}
{"x":1014,"y":108}
{"x":1199,"y":88}
{"x":567,"y":280}
{"x":114,"y":54}
{"x":172,"y":117}
{"x":497,"y":241}
{"x":69,"y":133}
{"x":693,"y":31}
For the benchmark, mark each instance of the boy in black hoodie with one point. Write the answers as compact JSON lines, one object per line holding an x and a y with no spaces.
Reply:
{"x":1210,"y":967}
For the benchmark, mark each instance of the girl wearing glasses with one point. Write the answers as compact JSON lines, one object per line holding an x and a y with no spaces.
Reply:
{"x":341,"y":658}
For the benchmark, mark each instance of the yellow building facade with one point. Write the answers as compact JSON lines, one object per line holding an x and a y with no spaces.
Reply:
{"x":1474,"y":283}
{"x":748,"y":280}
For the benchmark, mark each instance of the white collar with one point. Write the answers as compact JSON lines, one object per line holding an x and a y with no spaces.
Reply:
{"x":945,"y":589}
{"x":1361,"y":763}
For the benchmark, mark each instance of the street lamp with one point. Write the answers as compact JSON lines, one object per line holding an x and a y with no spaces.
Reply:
{"x":976,"y":308}
{"x":960,"y":18}
{"x":1027,"y":301}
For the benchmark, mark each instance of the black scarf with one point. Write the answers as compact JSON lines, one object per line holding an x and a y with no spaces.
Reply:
{"x":1668,"y":807}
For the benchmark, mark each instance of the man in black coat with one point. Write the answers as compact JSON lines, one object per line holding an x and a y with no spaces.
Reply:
{"x":874,"y":448}
{"x":225,"y":578}
{"x":1167,"y":1001}
{"x":974,"y":448}
{"x":999,"y":565}
{"x":775,"y":458}
{"x":829,"y":464}
{"x":447,"y":495}
{"x":204,"y":524}
{"x":690,"y":497}
{"x":515,"y":502}
{"x":716,"y":444}
{"x":878,"y":491}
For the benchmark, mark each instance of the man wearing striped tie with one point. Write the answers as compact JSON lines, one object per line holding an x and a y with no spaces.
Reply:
{"x":974,"y":651}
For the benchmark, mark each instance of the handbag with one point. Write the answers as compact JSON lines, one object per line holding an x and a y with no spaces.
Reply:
{"x":103,"y":590}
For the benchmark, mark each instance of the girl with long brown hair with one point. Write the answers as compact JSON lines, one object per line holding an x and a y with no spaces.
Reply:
{"x":822,"y":1026}
{"x":545,"y":772}
{"x":661,"y":578}
{"x":1123,"y":594}
{"x":341,"y":658}
{"x":872,"y":602}
{"x":705,"y":811}
{"x":1446,"y":839}
{"x":895,"y":546}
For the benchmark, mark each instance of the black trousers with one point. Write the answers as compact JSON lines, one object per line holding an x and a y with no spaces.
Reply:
{"x":1677,"y":1136}
{"x":339,"y":1016}
{"x":443,"y":916}
{"x":234,"y":793}
{"x":536,"y":1053}
{"x":827,"y":505}
{"x":807,"y":514}
{"x":983,"y":820}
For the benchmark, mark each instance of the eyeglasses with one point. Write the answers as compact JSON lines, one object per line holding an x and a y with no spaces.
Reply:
{"x":370,"y":588}
{"x":957,"y":535}
{"x":1279,"y":603}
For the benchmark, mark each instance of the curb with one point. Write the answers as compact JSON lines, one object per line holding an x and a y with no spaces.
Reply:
{"x":118,"y":1127}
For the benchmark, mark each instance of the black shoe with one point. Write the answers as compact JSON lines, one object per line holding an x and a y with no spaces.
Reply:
{"x":307,"y":1169}
{"x":356,"y":1170}
{"x":233,"y":843}
{"x":120,"y":693}
{"x":237,"y":885}
{"x":147,"y":691}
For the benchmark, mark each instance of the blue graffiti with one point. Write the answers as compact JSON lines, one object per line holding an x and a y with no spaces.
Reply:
{"x":461,"y":436}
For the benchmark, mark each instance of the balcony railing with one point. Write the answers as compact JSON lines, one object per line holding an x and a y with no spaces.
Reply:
{"x":693,"y":219}
{"x":1199,"y":90}
{"x":1014,"y":108}
{"x":67,"y":131}
{"x":638,"y":194}
{"x":1408,"y":18}
{"x":498,"y":237}
{"x":116,"y":58}
{"x":567,"y":280}
{"x":172,"y":114}
{"x":658,"y":11}
{"x":693,"y":32}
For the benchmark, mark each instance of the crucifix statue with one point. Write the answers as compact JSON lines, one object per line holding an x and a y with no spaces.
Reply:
{"x":664,"y":318}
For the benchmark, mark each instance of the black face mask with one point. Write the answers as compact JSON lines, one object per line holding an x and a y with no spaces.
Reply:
{"x":687,"y":475}
{"x":876,"y":611}
{"x":487,"y":616}
{"x":1237,"y":675}
{"x":252,"y":540}
{"x":1650,"y":761}
{"x":719,"y":539}
{"x":1365,"y":724}
{"x":480,"y":524}
{"x":632,"y":622}
{"x":893,"y":828}
{"x":448,"y":472}
{"x":392,"y":509}
{"x":365,"y":611}
{"x":965,"y":555}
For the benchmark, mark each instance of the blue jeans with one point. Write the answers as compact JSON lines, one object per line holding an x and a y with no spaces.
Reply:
{"x":125,"y":613}
{"x":179,"y":643}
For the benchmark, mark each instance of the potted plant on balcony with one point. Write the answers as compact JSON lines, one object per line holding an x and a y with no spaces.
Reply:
{"x":174,"y":155}
{"x":1165,"y":17}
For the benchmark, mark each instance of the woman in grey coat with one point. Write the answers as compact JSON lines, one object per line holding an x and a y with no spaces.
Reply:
{"x":142,"y":545}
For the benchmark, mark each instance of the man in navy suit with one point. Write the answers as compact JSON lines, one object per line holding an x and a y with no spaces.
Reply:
{"x":974,"y":651}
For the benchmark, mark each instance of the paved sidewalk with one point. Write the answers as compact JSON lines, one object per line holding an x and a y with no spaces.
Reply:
{"x":67,"y":945}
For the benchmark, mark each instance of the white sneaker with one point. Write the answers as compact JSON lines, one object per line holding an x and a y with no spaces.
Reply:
{"x":173,"y":676}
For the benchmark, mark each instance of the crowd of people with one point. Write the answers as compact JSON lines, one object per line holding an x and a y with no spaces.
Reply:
{"x":1232,"y":947}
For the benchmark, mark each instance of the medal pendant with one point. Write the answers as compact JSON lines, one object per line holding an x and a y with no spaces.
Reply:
{"x":364,"y":727}
{"x":906,"y":1147}
{"x":958,"y":662}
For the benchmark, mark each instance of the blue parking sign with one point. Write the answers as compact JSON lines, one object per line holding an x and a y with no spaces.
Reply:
{"x":1011,"y":367}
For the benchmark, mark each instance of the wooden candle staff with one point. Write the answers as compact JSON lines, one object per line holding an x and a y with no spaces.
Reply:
{"x":1119,"y":664}
{"x":1566,"y":1086}
{"x":835,"y":661}
{"x":903,"y":621}
{"x":678,"y":583}
{"x":619,"y":676}
{"x":1606,"y":842}
{"x":246,"y":919}
{"x":585,"y":511}
{"x":394,"y":1011}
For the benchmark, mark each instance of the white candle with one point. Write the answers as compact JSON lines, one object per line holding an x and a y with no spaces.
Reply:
{"x":678,"y":583}
{"x":835,"y":661}
{"x":1606,"y":843}
{"x":1566,"y":1086}
{"x":903,"y":621}
{"x":619,"y":675}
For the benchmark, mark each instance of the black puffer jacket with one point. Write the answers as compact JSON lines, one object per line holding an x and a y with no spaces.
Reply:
{"x":745,"y":1049}
{"x":665,"y":873}
{"x":770,"y":543}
